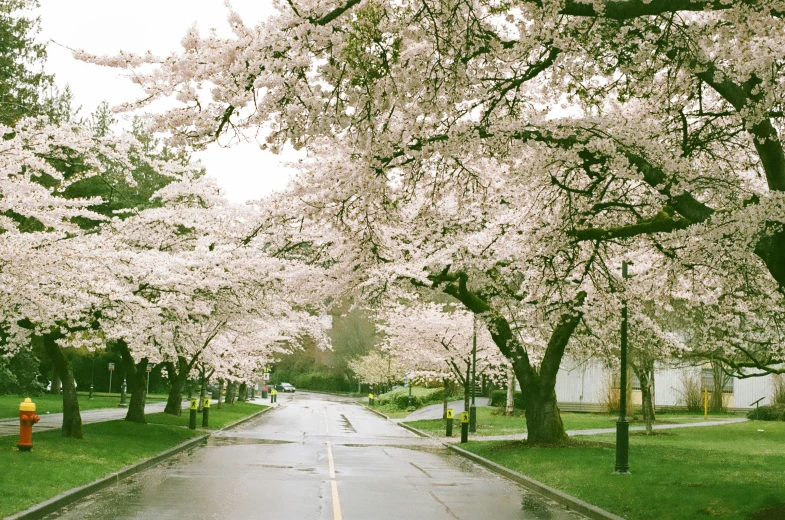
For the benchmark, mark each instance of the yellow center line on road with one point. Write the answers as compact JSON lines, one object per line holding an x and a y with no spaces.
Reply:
{"x":333,"y":483}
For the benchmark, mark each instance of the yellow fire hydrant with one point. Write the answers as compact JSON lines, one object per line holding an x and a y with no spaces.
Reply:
{"x":27,"y":418}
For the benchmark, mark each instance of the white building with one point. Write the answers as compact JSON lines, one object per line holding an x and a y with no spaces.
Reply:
{"x":584,"y":386}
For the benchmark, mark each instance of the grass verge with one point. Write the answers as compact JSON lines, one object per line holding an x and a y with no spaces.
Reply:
{"x":219,"y":417}
{"x":9,"y":404}
{"x":57,"y":464}
{"x":492,"y":421}
{"x":730,"y":472}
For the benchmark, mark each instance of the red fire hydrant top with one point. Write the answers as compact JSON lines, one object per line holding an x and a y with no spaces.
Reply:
{"x":27,"y":418}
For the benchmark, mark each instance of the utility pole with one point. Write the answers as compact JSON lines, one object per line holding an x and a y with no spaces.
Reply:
{"x":473,"y":407}
{"x":622,"y":426}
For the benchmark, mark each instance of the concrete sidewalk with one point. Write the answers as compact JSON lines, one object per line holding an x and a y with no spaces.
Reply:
{"x":54,"y":421}
{"x":598,"y":431}
{"x":435,"y":411}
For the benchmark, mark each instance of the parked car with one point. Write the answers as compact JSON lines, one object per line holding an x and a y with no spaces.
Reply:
{"x":285,"y":387}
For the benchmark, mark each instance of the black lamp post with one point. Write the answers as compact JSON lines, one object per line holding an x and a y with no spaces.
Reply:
{"x":622,"y":426}
{"x":473,"y":407}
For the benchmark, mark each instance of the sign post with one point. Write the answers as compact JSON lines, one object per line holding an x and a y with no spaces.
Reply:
{"x":450,"y":415}
{"x":192,"y":418}
{"x":149,"y":369}
{"x":464,"y":427}
{"x":111,"y":371}
{"x":206,"y":412}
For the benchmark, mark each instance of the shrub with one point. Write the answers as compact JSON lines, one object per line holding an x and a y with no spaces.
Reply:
{"x":691,"y":392}
{"x":778,"y":389}
{"x":499,"y":398}
{"x":611,"y":394}
{"x":772,"y":412}
{"x":402,"y":401}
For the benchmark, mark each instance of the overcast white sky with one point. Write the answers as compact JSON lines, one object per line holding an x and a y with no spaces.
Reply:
{"x":107,"y":26}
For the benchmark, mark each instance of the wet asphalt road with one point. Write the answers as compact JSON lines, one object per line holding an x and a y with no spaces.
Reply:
{"x":317,"y":457}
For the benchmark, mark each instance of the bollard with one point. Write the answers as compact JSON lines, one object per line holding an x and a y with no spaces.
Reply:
{"x":206,"y":413}
{"x":192,"y":419}
{"x":473,"y":419}
{"x":27,"y":418}
{"x":274,"y":398}
{"x":449,"y":421}
{"x":370,"y":399}
{"x":464,"y":427}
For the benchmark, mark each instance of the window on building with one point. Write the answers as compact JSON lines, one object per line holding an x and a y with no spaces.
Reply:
{"x":636,"y":383}
{"x":707,"y":381}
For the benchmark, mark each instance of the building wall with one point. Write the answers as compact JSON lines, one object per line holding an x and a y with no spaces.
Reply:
{"x":581,"y":385}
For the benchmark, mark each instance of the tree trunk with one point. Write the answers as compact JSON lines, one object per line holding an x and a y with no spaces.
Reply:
{"x":56,"y":384}
{"x":543,"y":420}
{"x":138,"y":383}
{"x":178,"y":375}
{"x":467,"y":388}
{"x":538,"y":386}
{"x":242,"y":393}
{"x":203,"y":392}
{"x":510,"y":407}
{"x":231,"y":392}
{"x":220,"y":403}
{"x":645,"y":373}
{"x":445,"y":400}
{"x":715,"y":402}
{"x":72,"y":419}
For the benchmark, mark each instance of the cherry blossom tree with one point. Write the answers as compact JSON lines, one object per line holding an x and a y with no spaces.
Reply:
{"x":439,"y":150}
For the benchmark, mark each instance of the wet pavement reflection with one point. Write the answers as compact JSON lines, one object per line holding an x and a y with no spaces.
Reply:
{"x":317,"y":457}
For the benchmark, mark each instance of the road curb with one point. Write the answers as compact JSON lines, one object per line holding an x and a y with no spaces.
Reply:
{"x":245,"y":419}
{"x":66,"y":498}
{"x":72,"y":495}
{"x":380,"y":414}
{"x":568,"y":501}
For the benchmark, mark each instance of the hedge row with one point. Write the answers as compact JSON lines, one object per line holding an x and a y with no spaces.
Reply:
{"x":774,"y":412}
{"x":499,"y":398}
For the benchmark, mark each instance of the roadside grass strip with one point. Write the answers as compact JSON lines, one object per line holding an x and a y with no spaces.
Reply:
{"x":9,"y":404}
{"x":219,"y":417}
{"x":492,"y":421}
{"x":729,"y":472}
{"x":56,"y":464}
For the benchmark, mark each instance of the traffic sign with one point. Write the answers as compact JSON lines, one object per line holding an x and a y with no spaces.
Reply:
{"x":465,"y":417}
{"x":266,"y":376}
{"x":149,"y":367}
{"x":449,"y":413}
{"x":111,"y":366}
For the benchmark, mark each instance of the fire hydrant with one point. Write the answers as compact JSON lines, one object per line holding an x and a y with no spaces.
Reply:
{"x":27,"y":418}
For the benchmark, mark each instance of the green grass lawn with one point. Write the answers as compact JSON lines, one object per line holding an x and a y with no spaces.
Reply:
{"x":57,"y":464}
{"x":9,"y":404}
{"x":726,"y":472}
{"x":492,"y":421}
{"x":219,"y":417}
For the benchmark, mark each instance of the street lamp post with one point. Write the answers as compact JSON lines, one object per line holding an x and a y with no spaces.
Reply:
{"x":473,"y":407}
{"x":622,"y":426}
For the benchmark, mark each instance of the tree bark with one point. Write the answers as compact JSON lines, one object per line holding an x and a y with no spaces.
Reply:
{"x":715,"y":402}
{"x":543,"y":419}
{"x":231,"y":390}
{"x":510,"y":406}
{"x":203,"y":391}
{"x":645,"y":373}
{"x":72,"y":419}
{"x":242,"y":393}
{"x":178,"y":375}
{"x":56,"y":383}
{"x":220,"y":403}
{"x":137,"y":383}
{"x":445,"y":399}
